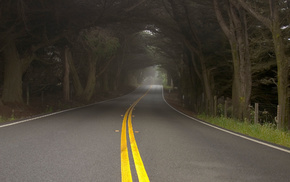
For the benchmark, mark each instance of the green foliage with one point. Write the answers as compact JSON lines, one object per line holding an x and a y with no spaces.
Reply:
{"x":162,"y":75}
{"x":5,"y":119}
{"x":49,"y":109}
{"x":2,"y":119}
{"x":267,"y":132}
{"x":12,"y":116}
{"x":101,"y":42}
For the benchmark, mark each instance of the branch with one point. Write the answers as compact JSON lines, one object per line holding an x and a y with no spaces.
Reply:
{"x":192,"y":51}
{"x":258,"y":16}
{"x":22,"y":12}
{"x":134,"y":6}
{"x":221,"y":20}
{"x":273,"y":80}
{"x":46,"y":43}
{"x":192,"y":30}
{"x":43,"y":60}
{"x":258,"y":67}
{"x":168,"y":11}
{"x":189,"y":45}
{"x":106,"y":66}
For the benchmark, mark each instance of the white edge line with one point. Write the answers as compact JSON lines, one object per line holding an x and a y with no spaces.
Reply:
{"x":227,"y":131}
{"x":59,"y":112}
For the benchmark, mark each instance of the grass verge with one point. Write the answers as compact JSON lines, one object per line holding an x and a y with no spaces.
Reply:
{"x":266,"y":132}
{"x":3,"y":119}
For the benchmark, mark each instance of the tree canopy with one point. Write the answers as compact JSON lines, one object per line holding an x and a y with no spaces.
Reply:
{"x":230,"y":49}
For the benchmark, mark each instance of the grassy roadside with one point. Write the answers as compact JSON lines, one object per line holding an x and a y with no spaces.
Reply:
{"x":3,"y":119}
{"x":266,"y":132}
{"x":52,"y":103}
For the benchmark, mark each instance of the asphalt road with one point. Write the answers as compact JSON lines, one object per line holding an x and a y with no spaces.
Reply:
{"x":84,"y":145}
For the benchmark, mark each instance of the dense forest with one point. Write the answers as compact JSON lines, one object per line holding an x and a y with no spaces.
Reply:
{"x":211,"y":51}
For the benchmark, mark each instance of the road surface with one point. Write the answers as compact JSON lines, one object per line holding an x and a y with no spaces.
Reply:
{"x":92,"y":144}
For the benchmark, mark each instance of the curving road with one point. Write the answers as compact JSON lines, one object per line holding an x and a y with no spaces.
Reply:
{"x":84,"y":144}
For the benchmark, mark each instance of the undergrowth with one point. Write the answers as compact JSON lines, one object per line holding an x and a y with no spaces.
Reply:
{"x":266,"y":132}
{"x":5,"y":119}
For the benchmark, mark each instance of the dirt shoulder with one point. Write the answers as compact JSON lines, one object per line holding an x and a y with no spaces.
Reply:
{"x":173,"y":99}
{"x":50,"y":103}
{"x":53,"y":103}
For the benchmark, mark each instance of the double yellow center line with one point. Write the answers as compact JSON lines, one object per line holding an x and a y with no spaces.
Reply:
{"x":125,"y":163}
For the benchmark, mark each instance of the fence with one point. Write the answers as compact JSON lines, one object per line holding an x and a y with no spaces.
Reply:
{"x":259,"y":112}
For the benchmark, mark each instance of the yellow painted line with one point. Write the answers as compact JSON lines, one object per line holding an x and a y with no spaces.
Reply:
{"x":125,"y":163}
{"x":141,"y":172}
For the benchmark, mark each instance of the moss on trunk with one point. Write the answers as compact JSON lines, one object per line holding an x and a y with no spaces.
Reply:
{"x":12,"y":87}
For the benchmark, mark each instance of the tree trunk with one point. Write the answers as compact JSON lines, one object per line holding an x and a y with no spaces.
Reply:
{"x":282,"y":66}
{"x":241,"y":89}
{"x":105,"y":81}
{"x":116,"y":81}
{"x":66,"y":88}
{"x":237,"y":35}
{"x":91,"y":80}
{"x":243,"y":63}
{"x":203,"y":75}
{"x":282,"y":75}
{"x":117,"y":78}
{"x":12,"y":87}
{"x":168,"y":79}
{"x":206,"y":84}
{"x":236,"y":83}
{"x":75,"y":77}
{"x":273,"y":24}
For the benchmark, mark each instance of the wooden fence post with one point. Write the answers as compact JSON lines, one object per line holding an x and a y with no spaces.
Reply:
{"x":226,"y":108}
{"x":183,"y":101}
{"x":66,"y":85}
{"x":256,"y":113}
{"x":203,"y":103}
{"x":42,"y":97}
{"x":278,"y":118}
{"x":27,"y":95}
{"x":215,"y":105}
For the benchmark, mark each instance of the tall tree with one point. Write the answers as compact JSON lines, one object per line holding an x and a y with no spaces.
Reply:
{"x":100,"y":47}
{"x":273,"y":22}
{"x":27,"y":26}
{"x":24,"y":30}
{"x":179,"y":11}
{"x":236,"y":32}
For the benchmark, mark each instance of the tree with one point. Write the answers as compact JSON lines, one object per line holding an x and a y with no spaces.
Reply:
{"x":179,"y":12}
{"x":27,"y":26}
{"x":274,"y":24}
{"x":100,"y":47}
{"x":66,"y":80}
{"x":23,"y":32}
{"x":236,"y":32}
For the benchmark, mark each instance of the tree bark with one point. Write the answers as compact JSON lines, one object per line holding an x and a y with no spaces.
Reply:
{"x":118,"y":74}
{"x":12,"y":87}
{"x":105,"y":82}
{"x":273,"y":24}
{"x":75,"y":78}
{"x":66,"y":88}
{"x":202,"y":75}
{"x":206,"y":83}
{"x":15,"y":66}
{"x":282,"y":75}
{"x":237,"y":35}
{"x":91,"y":79}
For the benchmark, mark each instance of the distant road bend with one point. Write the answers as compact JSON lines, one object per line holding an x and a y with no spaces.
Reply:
{"x":137,"y":137}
